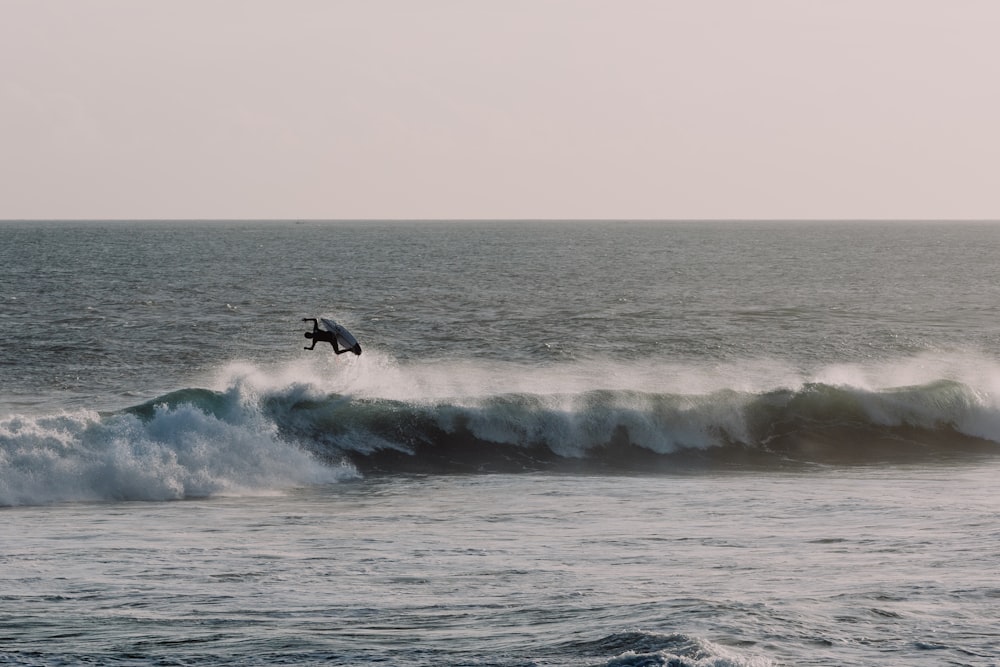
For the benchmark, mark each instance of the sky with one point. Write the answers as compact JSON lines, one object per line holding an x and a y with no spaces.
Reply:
{"x":528,"y":109}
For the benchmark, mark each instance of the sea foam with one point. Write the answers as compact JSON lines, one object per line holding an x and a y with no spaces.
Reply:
{"x":175,"y":452}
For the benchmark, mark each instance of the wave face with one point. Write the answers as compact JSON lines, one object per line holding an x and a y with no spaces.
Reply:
{"x":267,"y":430}
{"x":606,"y":430}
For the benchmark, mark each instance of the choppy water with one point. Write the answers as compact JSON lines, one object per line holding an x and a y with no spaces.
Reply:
{"x":565,"y":444}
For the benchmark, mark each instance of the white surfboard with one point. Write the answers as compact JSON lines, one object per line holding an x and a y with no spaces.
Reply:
{"x":345,"y":338}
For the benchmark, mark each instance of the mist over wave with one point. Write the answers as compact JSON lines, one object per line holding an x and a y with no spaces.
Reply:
{"x":259,"y":429}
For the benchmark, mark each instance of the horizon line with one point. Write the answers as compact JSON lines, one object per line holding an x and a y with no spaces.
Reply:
{"x":484,"y":219}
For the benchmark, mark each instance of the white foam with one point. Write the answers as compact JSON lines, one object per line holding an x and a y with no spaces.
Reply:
{"x":181,"y":452}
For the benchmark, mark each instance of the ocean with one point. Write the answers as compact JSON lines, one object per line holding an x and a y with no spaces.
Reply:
{"x":597,"y":443}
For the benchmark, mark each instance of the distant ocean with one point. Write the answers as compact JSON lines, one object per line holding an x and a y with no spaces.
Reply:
{"x":613,"y":443}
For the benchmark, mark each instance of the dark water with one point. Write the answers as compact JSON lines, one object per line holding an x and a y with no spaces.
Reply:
{"x":704,"y":444}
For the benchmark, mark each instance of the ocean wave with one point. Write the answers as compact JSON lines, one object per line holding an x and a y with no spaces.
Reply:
{"x":262,"y":431}
{"x":648,"y":649}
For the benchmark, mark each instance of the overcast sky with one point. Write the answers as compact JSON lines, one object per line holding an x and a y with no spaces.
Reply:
{"x":675,"y":109}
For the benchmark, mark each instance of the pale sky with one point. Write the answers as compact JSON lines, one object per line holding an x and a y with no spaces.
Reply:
{"x":348,"y":109}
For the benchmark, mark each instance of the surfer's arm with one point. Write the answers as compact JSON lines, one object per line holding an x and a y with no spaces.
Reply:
{"x":313,"y":320}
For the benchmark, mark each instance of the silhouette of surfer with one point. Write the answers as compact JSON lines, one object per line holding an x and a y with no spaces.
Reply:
{"x":322,"y":336}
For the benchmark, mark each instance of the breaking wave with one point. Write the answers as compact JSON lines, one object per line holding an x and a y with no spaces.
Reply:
{"x":195,"y":443}
{"x":264,"y":431}
{"x":649,"y":649}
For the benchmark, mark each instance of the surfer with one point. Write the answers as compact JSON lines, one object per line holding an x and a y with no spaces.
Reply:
{"x":320,"y":336}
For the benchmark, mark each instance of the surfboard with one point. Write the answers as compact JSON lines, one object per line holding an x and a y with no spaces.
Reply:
{"x":345,"y":338}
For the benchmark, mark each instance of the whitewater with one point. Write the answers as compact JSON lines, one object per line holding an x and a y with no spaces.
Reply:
{"x":597,"y":443}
